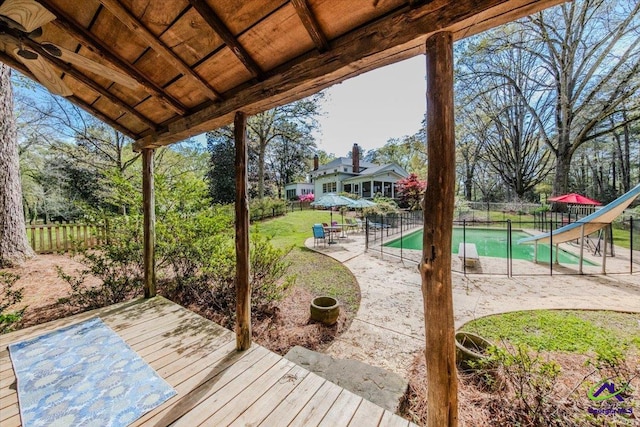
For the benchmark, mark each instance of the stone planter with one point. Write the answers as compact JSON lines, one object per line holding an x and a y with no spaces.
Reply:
{"x":470,"y":348}
{"x":325,"y":310}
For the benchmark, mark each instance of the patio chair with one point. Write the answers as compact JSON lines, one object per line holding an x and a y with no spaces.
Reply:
{"x":318,"y":234}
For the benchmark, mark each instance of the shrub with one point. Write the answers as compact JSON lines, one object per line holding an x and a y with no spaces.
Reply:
{"x":118,"y":264}
{"x":526,"y":389}
{"x":10,"y":296}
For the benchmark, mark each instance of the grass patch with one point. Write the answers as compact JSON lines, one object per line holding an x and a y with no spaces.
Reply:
{"x":562,"y":330}
{"x":320,"y":274}
{"x":293,"y":228}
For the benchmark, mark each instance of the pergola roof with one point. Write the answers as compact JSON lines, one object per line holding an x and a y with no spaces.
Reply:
{"x":196,"y":62}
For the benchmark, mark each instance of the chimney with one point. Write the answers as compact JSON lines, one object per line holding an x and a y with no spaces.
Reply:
{"x":355,"y":156}
{"x":315,"y":162}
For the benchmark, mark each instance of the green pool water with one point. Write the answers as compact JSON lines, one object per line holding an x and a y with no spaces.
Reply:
{"x":490,"y":242}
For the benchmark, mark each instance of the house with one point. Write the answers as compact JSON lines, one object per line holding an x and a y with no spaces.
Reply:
{"x":351,"y":175}
{"x":295,"y":190}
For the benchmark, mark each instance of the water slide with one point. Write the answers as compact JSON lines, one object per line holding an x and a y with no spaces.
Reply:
{"x":587,"y":225}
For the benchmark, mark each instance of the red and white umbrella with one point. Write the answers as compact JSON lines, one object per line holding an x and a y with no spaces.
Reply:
{"x":574,"y":199}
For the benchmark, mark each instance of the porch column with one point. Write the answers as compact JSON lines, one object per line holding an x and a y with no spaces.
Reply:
{"x":435,"y":267}
{"x":149,"y":224}
{"x":243,"y":284}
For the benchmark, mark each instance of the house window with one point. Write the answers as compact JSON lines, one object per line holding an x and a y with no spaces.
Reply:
{"x":366,"y":189}
{"x":329,"y":187}
{"x":377,"y":187}
{"x":386,"y":189}
{"x":356,"y":188}
{"x":291,"y":194}
{"x":347,"y":188}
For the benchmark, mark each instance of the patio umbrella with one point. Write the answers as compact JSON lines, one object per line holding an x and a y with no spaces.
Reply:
{"x":362,"y":203}
{"x":574,"y":199}
{"x":331,"y":200}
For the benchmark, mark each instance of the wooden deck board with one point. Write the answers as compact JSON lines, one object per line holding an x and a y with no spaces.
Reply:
{"x":215,"y":384}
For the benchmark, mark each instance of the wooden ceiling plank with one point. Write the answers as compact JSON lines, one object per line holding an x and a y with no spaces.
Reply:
{"x":16,"y":65}
{"x":91,"y":42}
{"x":399,"y":36}
{"x":311,"y":24}
{"x":35,"y":46}
{"x":124,"y":16}
{"x":225,"y":34}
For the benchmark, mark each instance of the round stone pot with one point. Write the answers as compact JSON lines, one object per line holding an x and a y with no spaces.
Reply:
{"x":325,"y":310}
{"x":470,"y":348}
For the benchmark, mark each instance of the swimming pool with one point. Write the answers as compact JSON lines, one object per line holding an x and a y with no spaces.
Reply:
{"x":490,"y":242}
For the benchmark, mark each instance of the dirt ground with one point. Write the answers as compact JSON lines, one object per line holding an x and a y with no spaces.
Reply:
{"x":286,"y":327}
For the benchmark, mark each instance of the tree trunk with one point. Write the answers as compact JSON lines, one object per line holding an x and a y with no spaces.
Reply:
{"x":261,"y":159}
{"x":435,"y":268}
{"x":14,"y":247}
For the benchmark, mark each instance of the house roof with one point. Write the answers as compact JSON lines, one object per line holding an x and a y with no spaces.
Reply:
{"x":167,"y":70}
{"x":341,"y":162}
{"x":379,"y":169}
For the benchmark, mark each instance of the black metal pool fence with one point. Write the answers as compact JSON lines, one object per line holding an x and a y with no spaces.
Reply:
{"x":622,"y":245}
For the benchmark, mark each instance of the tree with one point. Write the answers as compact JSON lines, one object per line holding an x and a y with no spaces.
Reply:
{"x":291,"y":121}
{"x":593,"y":49}
{"x":14,"y":247}
{"x":411,"y":191}
{"x":221,"y":174}
{"x":408,"y":152}
{"x":289,"y":157}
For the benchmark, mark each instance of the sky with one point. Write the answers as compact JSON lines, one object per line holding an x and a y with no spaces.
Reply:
{"x":371,"y":108}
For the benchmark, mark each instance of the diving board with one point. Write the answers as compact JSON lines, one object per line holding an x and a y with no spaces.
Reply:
{"x":587,"y":225}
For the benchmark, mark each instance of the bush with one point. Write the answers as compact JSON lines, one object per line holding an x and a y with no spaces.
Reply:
{"x":525,"y":395}
{"x":213,"y":287}
{"x":118,"y":264}
{"x":10,"y":296}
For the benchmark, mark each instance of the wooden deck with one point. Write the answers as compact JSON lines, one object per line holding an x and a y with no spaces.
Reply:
{"x":216,"y":385}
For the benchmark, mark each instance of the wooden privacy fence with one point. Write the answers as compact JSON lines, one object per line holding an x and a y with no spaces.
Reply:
{"x":50,"y":238}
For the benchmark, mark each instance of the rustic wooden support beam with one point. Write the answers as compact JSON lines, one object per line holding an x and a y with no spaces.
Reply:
{"x":399,"y":36}
{"x":311,"y":24}
{"x":225,"y":34}
{"x":108,"y":55}
{"x":17,"y":65}
{"x":435,"y":267}
{"x":149,"y":223}
{"x":35,"y":46}
{"x":124,"y":16}
{"x":243,"y":283}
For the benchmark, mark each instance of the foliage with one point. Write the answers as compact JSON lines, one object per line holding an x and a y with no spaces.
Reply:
{"x":408,"y":152}
{"x":526,"y":383}
{"x":384,"y":206}
{"x":281,"y":139}
{"x":10,"y":296}
{"x":411,"y":191}
{"x":221,"y":173}
{"x":559,"y":330}
{"x":307,"y":197}
{"x":117,"y":264}
{"x":267,"y":207}
{"x":211,"y":282}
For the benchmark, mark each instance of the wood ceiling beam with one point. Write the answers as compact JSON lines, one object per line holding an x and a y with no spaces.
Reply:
{"x":225,"y":34}
{"x":399,"y":36}
{"x":35,"y":46}
{"x":91,"y":42}
{"x":311,"y":24}
{"x":17,"y":65}
{"x":124,"y":16}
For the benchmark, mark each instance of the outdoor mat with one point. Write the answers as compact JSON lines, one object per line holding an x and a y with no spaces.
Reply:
{"x":84,"y":374}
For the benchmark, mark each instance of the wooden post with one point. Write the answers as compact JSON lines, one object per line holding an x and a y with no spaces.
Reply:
{"x":149,"y":211}
{"x":243,"y":284}
{"x":435,"y":268}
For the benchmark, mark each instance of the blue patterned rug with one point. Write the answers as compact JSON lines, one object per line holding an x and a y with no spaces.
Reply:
{"x":84,"y":374}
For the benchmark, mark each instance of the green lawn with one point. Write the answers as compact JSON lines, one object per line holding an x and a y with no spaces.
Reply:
{"x":320,"y":274}
{"x":574,"y":331}
{"x":293,"y":228}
